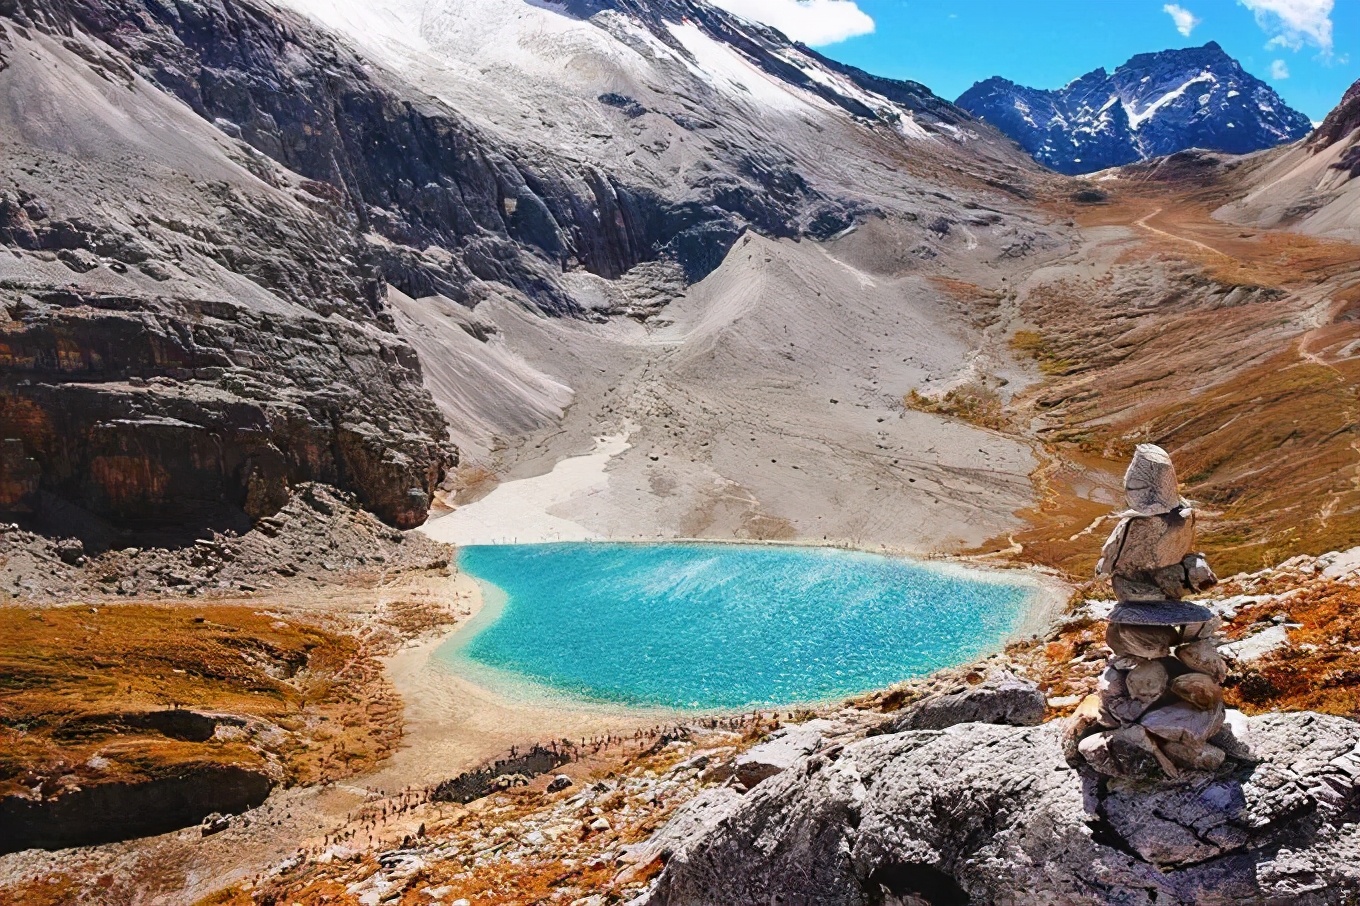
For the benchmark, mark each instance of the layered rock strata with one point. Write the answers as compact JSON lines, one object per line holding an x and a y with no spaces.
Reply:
{"x":187,"y":332}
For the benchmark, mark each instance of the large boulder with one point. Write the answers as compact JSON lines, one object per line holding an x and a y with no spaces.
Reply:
{"x":686,"y":827}
{"x":778,"y":754}
{"x":991,"y":814}
{"x":1002,"y":698}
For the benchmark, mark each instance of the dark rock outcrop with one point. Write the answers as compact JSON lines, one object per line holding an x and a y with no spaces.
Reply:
{"x":1340,"y":122}
{"x":1339,"y":126}
{"x":993,"y":815}
{"x":146,"y":412}
{"x":174,"y":723}
{"x":1155,"y":104}
{"x":111,"y":812}
{"x":475,"y":784}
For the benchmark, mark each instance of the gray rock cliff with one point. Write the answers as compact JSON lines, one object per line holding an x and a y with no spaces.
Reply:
{"x":987,"y":814}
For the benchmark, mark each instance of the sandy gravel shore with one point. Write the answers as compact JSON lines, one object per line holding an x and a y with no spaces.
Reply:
{"x":454,"y":723}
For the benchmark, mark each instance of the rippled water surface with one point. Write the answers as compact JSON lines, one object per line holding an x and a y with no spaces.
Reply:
{"x":724,"y":626}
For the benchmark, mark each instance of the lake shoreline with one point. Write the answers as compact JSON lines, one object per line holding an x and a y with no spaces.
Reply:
{"x":671,"y":594}
{"x":456,"y":722}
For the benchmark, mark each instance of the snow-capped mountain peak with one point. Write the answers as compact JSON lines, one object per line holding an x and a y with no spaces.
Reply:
{"x":1155,"y":104}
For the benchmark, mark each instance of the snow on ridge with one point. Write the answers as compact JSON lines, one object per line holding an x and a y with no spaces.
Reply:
{"x":1138,"y":118}
{"x":730,"y":72}
{"x":463,"y":50}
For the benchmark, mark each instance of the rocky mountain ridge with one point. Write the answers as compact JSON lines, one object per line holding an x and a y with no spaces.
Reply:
{"x":211,"y":329}
{"x":1341,"y":125}
{"x":1154,"y":104}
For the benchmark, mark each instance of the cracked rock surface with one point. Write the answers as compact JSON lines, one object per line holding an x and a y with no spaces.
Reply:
{"x":981,"y":813}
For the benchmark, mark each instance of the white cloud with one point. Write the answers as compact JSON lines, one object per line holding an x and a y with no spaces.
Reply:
{"x":1279,"y":70}
{"x":814,"y":22}
{"x":1294,"y":23}
{"x":1184,"y":19}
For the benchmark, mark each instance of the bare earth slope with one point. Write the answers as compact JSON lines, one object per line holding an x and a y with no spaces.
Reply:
{"x":1311,"y":186}
{"x":766,"y":400}
{"x":1233,"y":347}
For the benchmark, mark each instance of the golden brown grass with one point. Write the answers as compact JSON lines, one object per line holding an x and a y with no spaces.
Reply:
{"x":1319,"y":670}
{"x":68,"y":675}
{"x":974,"y":403}
{"x":1200,"y":340}
{"x":1031,"y":343}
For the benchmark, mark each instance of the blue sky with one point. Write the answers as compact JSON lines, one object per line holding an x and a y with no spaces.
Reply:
{"x":1308,"y":50}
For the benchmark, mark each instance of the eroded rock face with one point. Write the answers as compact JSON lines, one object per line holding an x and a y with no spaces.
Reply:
{"x":990,"y":814}
{"x":144,"y":413}
{"x":123,"y":811}
{"x":188,"y":331}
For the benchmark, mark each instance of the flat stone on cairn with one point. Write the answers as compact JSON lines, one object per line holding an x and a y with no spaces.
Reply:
{"x":1158,"y":707}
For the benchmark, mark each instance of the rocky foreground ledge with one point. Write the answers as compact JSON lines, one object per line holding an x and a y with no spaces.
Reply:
{"x":979,"y":813}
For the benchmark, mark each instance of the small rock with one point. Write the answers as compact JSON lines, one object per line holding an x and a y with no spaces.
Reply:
{"x":78,"y":260}
{"x":1147,"y":682}
{"x":559,"y":783}
{"x":1117,"y":707}
{"x":1199,"y":690}
{"x":1183,"y":722}
{"x":600,"y":824}
{"x":214,"y":824}
{"x":1085,"y":719}
{"x":71,"y":551}
{"x":1203,"y":657}
{"x":1153,"y":542}
{"x":1198,"y":574}
{"x":1115,"y":711}
{"x":1193,"y":631}
{"x":1194,"y":757}
{"x":1150,"y":642}
{"x":1126,"y":752}
{"x":156,"y":270}
{"x":1254,"y":647}
{"x":1002,"y":698}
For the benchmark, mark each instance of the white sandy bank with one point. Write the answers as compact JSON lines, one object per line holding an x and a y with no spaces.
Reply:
{"x":519,"y":512}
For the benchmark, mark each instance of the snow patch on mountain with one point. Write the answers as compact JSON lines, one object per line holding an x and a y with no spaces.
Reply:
{"x":1137,"y":118}
{"x":722,"y":66}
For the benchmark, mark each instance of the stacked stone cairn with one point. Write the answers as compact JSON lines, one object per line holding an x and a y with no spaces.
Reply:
{"x":1158,"y":709}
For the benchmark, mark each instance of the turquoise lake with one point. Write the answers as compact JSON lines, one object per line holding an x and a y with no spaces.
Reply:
{"x":723,"y":626}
